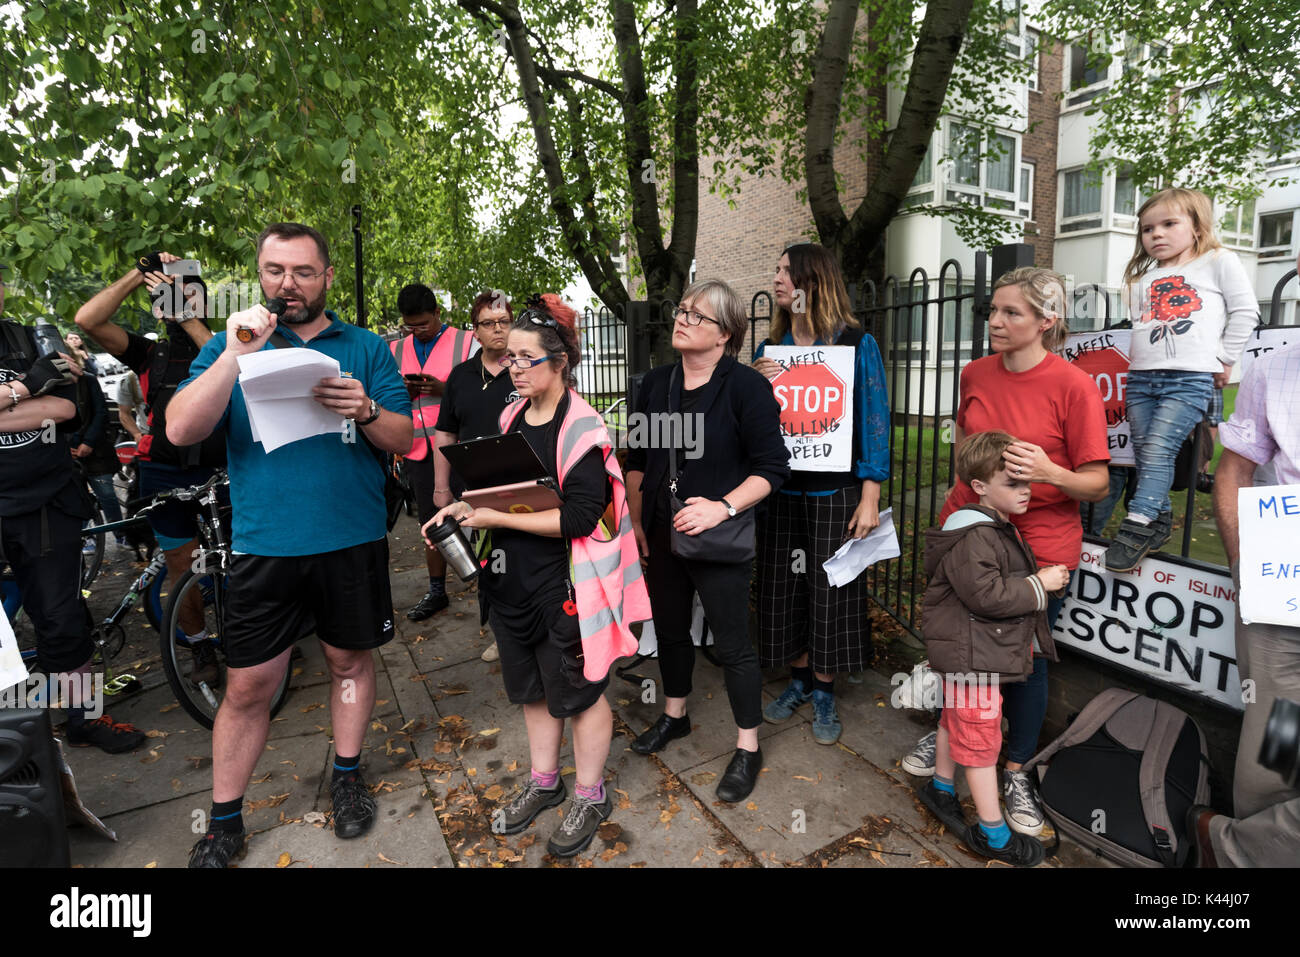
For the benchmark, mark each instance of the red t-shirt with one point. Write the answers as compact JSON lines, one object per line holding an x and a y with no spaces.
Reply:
{"x":1054,"y":405}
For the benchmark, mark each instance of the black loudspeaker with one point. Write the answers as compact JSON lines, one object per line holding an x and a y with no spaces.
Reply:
{"x":1008,"y":257}
{"x":33,"y":832}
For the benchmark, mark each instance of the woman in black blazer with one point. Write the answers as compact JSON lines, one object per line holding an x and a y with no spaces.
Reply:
{"x":730,"y":464}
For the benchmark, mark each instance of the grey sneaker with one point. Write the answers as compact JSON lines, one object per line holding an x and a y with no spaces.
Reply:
{"x":528,"y":802}
{"x":826,"y":720}
{"x":579,"y":825}
{"x":784,"y":707}
{"x":1024,"y":813}
{"x":919,"y":762}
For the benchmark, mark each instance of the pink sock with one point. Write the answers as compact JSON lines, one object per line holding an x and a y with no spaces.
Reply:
{"x":546,"y":781}
{"x":594,"y":793}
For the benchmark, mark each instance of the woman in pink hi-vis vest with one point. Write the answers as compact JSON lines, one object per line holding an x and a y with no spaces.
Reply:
{"x":562,"y":584}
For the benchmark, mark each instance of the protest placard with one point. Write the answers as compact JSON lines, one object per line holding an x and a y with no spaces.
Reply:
{"x":1104,"y":356}
{"x":815,"y":393}
{"x":1268,"y":523}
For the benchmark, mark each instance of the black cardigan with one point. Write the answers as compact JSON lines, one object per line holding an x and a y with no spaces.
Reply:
{"x":741,"y":435}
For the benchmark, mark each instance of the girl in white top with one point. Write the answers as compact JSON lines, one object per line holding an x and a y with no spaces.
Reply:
{"x":1193,"y":308}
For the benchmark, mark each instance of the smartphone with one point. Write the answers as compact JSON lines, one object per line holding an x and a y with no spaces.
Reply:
{"x":183,"y":267}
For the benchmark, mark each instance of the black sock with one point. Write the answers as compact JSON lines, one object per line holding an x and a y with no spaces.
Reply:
{"x":227,"y":816}
{"x":827,"y":686}
{"x":345,"y":766}
{"x":804,"y":676}
{"x":76,"y":716}
{"x":437,"y":586}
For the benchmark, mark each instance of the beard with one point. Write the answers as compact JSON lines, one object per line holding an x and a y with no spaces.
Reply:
{"x":301,"y":315}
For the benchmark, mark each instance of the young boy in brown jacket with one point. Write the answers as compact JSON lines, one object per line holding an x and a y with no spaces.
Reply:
{"x":985,"y":609}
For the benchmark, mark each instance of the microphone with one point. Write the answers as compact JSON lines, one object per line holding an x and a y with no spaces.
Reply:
{"x":275,"y":306}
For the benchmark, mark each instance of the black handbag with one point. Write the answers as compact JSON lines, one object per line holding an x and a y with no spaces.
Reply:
{"x":729,"y":541}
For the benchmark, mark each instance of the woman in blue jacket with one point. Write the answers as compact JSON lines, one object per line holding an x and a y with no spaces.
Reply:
{"x":817,"y":629}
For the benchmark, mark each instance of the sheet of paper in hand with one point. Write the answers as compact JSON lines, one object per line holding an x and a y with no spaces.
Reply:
{"x":12,"y":669}
{"x":1268,"y":521}
{"x":277,"y":386}
{"x":815,"y":393}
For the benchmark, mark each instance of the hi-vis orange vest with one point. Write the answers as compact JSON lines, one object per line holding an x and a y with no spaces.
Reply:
{"x":453,"y":347}
{"x":609,"y":588}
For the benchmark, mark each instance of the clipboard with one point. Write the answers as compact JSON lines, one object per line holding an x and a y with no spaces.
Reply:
{"x":502,"y":472}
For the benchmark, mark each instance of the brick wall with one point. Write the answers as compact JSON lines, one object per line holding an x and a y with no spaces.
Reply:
{"x":1039,"y":147}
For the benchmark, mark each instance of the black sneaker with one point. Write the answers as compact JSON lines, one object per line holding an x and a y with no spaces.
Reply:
{"x":528,"y":802}
{"x":218,"y":848}
{"x":1164,"y":527}
{"x":579,"y":825}
{"x":354,"y":808}
{"x":111,"y":737}
{"x":1131,"y":544}
{"x":1020,"y":851}
{"x":943,"y":805}
{"x":1205,"y":482}
{"x":429,"y":605}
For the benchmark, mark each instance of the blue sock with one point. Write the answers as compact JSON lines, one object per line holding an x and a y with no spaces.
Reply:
{"x":998,"y":834}
{"x":345,"y":766}
{"x":943,"y":784}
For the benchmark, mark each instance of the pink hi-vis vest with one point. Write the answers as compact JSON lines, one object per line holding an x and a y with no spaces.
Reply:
{"x":608,"y":586}
{"x":453,"y":347}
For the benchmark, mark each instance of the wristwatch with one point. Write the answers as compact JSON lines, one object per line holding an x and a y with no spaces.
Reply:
{"x":374,"y":414}
{"x":731,"y":509}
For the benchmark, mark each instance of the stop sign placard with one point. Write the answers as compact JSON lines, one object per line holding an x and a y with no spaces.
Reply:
{"x":1104,"y":357}
{"x":811,"y":399}
{"x":815,"y":395}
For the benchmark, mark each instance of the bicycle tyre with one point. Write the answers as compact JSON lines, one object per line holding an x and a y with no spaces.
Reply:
{"x":192,"y":698}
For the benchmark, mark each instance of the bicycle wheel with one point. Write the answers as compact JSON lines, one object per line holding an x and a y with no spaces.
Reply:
{"x":199,"y":698}
{"x":92,"y":551}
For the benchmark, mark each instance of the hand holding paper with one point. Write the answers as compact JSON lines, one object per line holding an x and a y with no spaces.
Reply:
{"x":277,"y":386}
{"x":857,"y":554}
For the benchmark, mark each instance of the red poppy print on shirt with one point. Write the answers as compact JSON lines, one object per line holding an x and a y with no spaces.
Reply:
{"x":1172,"y":303}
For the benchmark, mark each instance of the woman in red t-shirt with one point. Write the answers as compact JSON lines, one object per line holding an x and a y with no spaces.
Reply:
{"x":1056,"y":413}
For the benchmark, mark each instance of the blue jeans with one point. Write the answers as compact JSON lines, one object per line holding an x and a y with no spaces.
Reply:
{"x":1024,"y":703}
{"x":1163,"y":406}
{"x":106,"y":495}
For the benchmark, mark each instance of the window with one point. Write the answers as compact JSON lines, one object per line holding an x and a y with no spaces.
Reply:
{"x":1284,"y":150}
{"x":1026,"y":207}
{"x":983,"y":170}
{"x":1031,"y":50}
{"x":1127,"y":196}
{"x":1088,"y":73}
{"x":1012,"y":35}
{"x":1275,"y":234}
{"x":1080,"y":200}
{"x":925,"y":172}
{"x":1238,"y":225}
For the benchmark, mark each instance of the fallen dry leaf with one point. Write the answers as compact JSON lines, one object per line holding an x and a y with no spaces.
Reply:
{"x":274,"y":800}
{"x":155,"y":733}
{"x":152,"y":756}
{"x":494,"y":792}
{"x":751,"y":806}
{"x":284,"y":860}
{"x":151,"y":864}
{"x":801,"y":777}
{"x":488,"y":732}
{"x":311,"y":707}
{"x":314,"y":817}
{"x":390,"y":861}
{"x":169,"y":707}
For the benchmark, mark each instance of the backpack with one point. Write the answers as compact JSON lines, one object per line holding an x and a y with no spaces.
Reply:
{"x":1121,"y":778}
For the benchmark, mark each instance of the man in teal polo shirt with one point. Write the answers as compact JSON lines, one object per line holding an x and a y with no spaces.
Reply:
{"x":310,"y":534}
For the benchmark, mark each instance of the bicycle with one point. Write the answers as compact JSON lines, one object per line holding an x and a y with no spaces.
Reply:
{"x":206,"y":579}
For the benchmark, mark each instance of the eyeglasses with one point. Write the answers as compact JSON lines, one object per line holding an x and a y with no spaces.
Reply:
{"x":521,"y":362}
{"x":692,"y":318}
{"x":492,"y":323}
{"x":276,"y":274}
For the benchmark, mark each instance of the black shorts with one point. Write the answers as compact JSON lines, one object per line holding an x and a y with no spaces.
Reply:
{"x":271,"y":602}
{"x":420,"y":473}
{"x":541,"y":657}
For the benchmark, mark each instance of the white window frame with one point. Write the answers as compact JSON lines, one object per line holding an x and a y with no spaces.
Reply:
{"x":981,"y":194}
{"x":1276,"y":252}
{"x":1242,"y":230}
{"x":1032,"y":42}
{"x":1025,"y":207}
{"x":1082,"y":222}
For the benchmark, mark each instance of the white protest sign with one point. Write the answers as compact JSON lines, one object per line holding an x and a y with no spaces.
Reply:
{"x":815,"y":393}
{"x":1167,"y":621}
{"x":1268,"y":522}
{"x":1104,"y":356}
{"x":1266,"y":340}
{"x":12,"y":669}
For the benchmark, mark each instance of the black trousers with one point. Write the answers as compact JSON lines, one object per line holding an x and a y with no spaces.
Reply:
{"x":45,"y":556}
{"x":724,"y":591}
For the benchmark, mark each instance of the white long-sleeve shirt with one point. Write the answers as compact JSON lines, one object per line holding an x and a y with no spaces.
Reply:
{"x":1192,"y":317}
